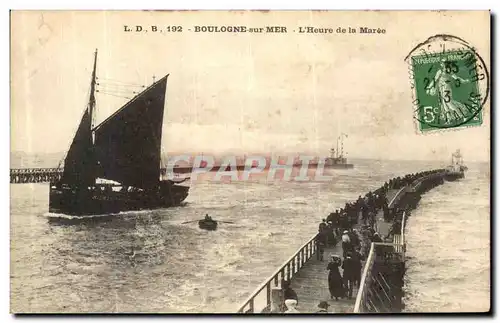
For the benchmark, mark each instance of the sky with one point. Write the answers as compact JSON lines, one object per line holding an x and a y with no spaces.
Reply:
{"x":241,"y":92}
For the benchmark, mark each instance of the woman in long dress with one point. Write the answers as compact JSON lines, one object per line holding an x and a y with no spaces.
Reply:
{"x":335,"y":284}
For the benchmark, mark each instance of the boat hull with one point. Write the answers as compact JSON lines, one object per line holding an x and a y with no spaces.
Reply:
{"x":340,"y":166}
{"x":453,"y":176}
{"x":327,"y":165}
{"x":209,"y":225}
{"x":104,"y":200}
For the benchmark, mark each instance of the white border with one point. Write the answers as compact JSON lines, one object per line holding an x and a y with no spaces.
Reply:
{"x":184,"y":4}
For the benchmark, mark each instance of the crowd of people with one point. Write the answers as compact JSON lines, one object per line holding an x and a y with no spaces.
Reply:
{"x":339,"y":227}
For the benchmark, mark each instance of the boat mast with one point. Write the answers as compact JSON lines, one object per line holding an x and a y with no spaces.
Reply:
{"x":337,"y":156}
{"x":341,"y":146}
{"x":92,"y":95}
{"x":92,"y":107}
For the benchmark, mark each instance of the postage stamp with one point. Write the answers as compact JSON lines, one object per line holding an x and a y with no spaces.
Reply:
{"x":450,"y":86}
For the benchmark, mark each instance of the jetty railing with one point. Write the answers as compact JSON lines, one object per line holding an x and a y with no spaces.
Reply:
{"x":399,"y":239}
{"x":378,"y":251}
{"x":260,"y":300}
{"x":397,"y":196}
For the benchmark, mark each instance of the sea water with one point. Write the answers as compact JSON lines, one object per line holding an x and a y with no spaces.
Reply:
{"x":448,"y":243}
{"x":152,"y":263}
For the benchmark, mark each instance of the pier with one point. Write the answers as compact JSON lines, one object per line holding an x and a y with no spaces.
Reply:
{"x":380,"y":289}
{"x":34,"y":175}
{"x":47,"y":175}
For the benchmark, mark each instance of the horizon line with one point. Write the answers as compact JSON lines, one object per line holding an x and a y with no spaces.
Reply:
{"x":283,"y":154}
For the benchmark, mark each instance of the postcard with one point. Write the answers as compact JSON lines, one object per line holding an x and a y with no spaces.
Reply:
{"x":250,"y":162}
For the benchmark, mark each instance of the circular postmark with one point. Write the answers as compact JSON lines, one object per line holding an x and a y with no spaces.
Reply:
{"x":450,"y":83}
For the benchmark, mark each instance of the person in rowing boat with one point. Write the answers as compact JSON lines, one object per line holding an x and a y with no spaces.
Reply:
{"x":208,"y":218}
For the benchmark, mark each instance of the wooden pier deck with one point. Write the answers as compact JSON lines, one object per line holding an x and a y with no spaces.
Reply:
{"x":311,"y":281}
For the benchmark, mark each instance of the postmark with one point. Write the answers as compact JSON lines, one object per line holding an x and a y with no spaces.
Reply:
{"x":450,"y":83}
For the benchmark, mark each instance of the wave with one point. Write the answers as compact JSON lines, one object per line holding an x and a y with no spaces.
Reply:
{"x":87,"y":216}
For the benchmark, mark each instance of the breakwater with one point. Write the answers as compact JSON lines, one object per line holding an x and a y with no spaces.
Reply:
{"x":380,"y":289}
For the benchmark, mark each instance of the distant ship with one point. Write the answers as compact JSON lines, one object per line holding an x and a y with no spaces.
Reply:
{"x":115,"y":166}
{"x":337,"y":158}
{"x":456,"y":169}
{"x":337,"y":161}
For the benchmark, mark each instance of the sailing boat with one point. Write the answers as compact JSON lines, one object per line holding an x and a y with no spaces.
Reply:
{"x":125,"y":150}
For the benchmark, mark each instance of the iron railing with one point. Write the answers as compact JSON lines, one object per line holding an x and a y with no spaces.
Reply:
{"x":397,"y":197}
{"x":260,"y":299}
{"x":379,"y":251}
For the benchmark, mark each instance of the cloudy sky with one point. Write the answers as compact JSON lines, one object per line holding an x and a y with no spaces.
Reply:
{"x":240,"y":92}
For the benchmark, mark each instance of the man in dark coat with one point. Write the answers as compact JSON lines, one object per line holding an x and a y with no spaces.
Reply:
{"x":321,"y":241}
{"x":364,"y":214}
{"x":350,"y":268}
{"x":356,"y":257}
{"x":385,"y":207}
{"x":354,"y":237}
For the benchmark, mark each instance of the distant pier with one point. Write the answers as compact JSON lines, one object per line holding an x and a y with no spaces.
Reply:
{"x":380,"y":289}
{"x":47,"y":175}
{"x":34,"y":175}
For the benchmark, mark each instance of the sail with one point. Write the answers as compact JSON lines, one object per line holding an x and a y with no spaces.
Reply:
{"x":79,"y":161}
{"x":127,"y":144}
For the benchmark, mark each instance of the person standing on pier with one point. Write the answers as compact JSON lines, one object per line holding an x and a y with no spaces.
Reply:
{"x":346,"y":243}
{"x":322,"y":226}
{"x":321,"y":241}
{"x":385,"y":208}
{"x":350,"y":268}
{"x":343,"y":221}
{"x":364,"y":213}
{"x":333,"y":218}
{"x":288,"y":292}
{"x":331,"y":242}
{"x":335,"y":285}
{"x":372,"y":219}
{"x":357,"y":257}
{"x":354,"y":237}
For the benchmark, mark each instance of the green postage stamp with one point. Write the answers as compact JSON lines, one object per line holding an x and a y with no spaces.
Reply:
{"x":447,"y":91}
{"x":447,"y":94}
